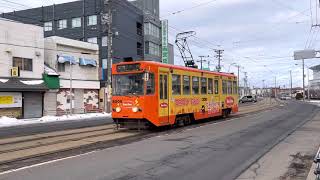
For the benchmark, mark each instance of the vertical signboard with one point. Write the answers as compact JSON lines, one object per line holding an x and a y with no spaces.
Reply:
{"x":165,"y":52}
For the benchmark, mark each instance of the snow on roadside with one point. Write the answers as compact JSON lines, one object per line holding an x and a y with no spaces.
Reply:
{"x":8,"y":122}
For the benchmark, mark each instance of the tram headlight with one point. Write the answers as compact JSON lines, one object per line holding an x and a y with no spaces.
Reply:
{"x":135,"y":109}
{"x":118,"y":109}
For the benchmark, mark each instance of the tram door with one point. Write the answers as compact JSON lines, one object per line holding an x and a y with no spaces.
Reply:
{"x":163,"y":97}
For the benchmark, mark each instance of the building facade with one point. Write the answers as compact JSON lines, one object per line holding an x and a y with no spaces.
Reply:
{"x":78,"y":61}
{"x":22,"y":64}
{"x":315,"y":83}
{"x":136,"y":26}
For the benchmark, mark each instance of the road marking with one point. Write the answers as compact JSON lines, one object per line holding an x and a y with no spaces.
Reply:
{"x":44,"y":163}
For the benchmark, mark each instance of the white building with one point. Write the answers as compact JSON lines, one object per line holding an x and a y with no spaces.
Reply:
{"x":84,"y":57}
{"x":21,"y":68}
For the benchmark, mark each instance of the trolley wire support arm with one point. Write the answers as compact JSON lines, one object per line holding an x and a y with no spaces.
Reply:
{"x":184,"y":49}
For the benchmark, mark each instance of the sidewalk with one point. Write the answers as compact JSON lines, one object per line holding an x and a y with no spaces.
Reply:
{"x":290,"y":159}
{"x":10,"y":122}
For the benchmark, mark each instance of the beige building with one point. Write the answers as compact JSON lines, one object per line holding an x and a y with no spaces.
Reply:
{"x":79,"y":61}
{"x":22,"y":64}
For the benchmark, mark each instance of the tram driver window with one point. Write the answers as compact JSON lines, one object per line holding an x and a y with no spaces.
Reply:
{"x":195,"y":85}
{"x":150,"y":85}
{"x":176,"y":84}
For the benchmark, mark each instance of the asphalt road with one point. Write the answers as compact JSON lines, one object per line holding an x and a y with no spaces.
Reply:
{"x":31,"y":129}
{"x":219,"y":151}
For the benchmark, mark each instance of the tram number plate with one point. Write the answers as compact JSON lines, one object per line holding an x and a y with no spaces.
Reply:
{"x":204,"y":99}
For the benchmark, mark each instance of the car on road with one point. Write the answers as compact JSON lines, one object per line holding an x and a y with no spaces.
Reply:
{"x":245,"y":99}
{"x":285,"y":98}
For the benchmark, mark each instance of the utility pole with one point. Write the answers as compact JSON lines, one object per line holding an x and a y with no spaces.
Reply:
{"x":238,"y":66}
{"x":219,"y":57}
{"x":70,"y":95}
{"x":275,"y":87}
{"x":290,"y":83}
{"x":245,"y":83}
{"x":109,"y":58}
{"x":263,"y":89}
{"x":304,"y":94}
{"x":202,"y":60}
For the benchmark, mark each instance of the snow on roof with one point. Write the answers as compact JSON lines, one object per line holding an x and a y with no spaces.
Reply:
{"x":33,"y":82}
{"x":50,"y":71}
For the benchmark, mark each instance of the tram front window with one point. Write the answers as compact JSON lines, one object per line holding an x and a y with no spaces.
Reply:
{"x":128,"y":84}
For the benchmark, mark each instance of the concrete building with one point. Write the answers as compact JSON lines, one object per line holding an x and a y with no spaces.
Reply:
{"x":315,"y":83}
{"x":136,"y":26}
{"x":80,"y":62}
{"x":22,"y":65}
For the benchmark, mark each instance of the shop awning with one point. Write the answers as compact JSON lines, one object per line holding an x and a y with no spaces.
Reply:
{"x":85,"y":62}
{"x":66,"y":59}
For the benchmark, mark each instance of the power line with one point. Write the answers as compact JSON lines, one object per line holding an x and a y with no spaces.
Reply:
{"x":187,"y":9}
{"x":23,"y":5}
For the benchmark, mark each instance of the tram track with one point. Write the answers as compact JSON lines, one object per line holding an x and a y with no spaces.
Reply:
{"x":54,"y":144}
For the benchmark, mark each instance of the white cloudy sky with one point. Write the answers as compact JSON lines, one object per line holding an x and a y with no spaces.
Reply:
{"x":259,"y":35}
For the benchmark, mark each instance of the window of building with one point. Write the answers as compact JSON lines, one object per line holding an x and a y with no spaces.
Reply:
{"x":92,"y":20}
{"x":203,"y":85}
{"x":104,"y":41}
{"x":150,"y":85}
{"x":224,"y":87}
{"x":176,"y":84}
{"x":93,"y":40}
{"x":186,"y":85}
{"x":76,"y":22}
{"x":195,"y":85}
{"x":24,"y":64}
{"x":48,"y":26}
{"x":235,"y":87}
{"x":139,"y":29}
{"x":62,"y":24}
{"x":216,"y":86}
{"x":210,"y":86}
{"x":229,"y":83}
{"x":152,"y":48}
{"x":61,"y":67}
{"x":139,"y":49}
{"x":152,"y":30}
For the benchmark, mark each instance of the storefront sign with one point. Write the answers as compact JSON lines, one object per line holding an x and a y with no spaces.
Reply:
{"x":10,"y":100}
{"x":165,"y":51}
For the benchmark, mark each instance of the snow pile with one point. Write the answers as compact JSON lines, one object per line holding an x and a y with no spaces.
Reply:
{"x":7,"y":122}
{"x":4,"y":80}
{"x":35,"y":82}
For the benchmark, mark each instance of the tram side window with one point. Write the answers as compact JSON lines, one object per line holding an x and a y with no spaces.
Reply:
{"x":210,"y":86}
{"x":224,"y":87}
{"x":195,"y":85}
{"x":235,"y":87}
{"x":150,"y":85}
{"x":203,"y":85}
{"x":186,"y":85}
{"x":216,"y":86}
{"x":176,"y":84}
{"x":229,"y":87}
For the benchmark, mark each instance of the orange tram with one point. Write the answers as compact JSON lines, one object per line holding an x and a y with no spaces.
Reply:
{"x":149,"y":93}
